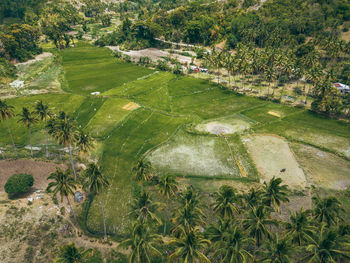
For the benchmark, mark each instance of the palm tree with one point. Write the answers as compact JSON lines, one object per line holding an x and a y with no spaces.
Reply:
{"x":231,"y":248}
{"x":224,"y":201}
{"x":189,"y":247}
{"x":69,"y":253}
{"x":64,"y":130}
{"x":142,"y":243}
{"x":326,"y":246}
{"x":6,"y":112}
{"x":253,"y":197}
{"x":216,"y":232}
{"x":275,"y":193}
{"x":96,"y":182}
{"x":326,"y":210}
{"x":277,"y":251}
{"x":43,"y":112}
{"x":28,"y":119}
{"x":142,"y":171}
{"x":299,"y":227}
{"x":63,"y":184}
{"x":144,"y":209}
{"x":257,"y":221}
{"x":84,"y":142}
{"x":167,"y":187}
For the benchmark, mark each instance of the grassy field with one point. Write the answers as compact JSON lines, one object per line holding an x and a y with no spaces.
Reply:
{"x":145,"y":113}
{"x":90,"y":69}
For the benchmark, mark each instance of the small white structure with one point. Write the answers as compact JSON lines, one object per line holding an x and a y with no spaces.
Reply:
{"x":95,"y":93}
{"x":17,"y":84}
{"x":341,"y":87}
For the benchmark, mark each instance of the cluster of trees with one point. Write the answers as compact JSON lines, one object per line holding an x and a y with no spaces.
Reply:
{"x":18,"y":183}
{"x":19,"y":42}
{"x":285,"y":66}
{"x":61,"y":127}
{"x":227,"y":226}
{"x":19,"y":8}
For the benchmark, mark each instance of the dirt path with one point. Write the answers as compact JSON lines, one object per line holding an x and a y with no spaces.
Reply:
{"x":37,"y":58}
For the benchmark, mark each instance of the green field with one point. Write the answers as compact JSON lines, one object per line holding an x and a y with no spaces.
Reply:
{"x":163,"y":127}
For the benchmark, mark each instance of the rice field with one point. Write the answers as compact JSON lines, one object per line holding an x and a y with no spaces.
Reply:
{"x":187,"y":127}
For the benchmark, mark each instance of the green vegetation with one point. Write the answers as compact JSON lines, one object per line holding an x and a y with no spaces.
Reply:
{"x":19,"y":183}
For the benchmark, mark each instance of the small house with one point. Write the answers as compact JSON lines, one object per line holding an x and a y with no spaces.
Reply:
{"x":341,"y":87}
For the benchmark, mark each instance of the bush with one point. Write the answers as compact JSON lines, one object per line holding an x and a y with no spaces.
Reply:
{"x":19,"y":183}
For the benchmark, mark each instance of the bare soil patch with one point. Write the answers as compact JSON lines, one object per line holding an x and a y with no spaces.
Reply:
{"x":274,"y":114}
{"x":131,"y":106}
{"x":324,"y":169}
{"x":37,"y":58}
{"x":39,"y":169}
{"x":271,"y":154}
{"x":222,"y":127}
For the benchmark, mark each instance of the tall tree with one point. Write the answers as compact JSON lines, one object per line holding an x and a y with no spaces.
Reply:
{"x":28,"y":119}
{"x":167,"y":187}
{"x":142,"y":171}
{"x":277,"y":250}
{"x":96,"y":182}
{"x":144,"y":209}
{"x":232,"y":247}
{"x":142,"y":242}
{"x":84,"y":143}
{"x":327,"y":210}
{"x":275,"y":193}
{"x":299,"y":227}
{"x":225,"y":202}
{"x":6,"y":112}
{"x":189,"y":247}
{"x":64,"y":131}
{"x":62,"y":184}
{"x":43,"y":112}
{"x":69,"y":253}
{"x":327,"y":246}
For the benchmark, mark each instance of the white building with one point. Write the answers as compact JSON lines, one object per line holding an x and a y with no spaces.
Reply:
{"x":341,"y":87}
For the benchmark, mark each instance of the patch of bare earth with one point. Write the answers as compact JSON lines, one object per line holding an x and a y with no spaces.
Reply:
{"x":131,"y":106}
{"x":37,"y":58}
{"x":273,"y":157}
{"x":39,"y":169}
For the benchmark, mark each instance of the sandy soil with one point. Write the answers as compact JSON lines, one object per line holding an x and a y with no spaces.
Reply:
{"x":39,"y":169}
{"x":274,"y":114}
{"x":153,"y":53}
{"x":323,"y":169}
{"x":220,"y":128}
{"x":37,"y":58}
{"x":131,"y":106}
{"x":271,"y":154}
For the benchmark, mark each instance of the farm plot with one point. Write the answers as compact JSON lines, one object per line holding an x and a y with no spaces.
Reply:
{"x":225,"y":125}
{"x":140,"y":131}
{"x":307,"y":127}
{"x":200,"y":156}
{"x":90,"y":69}
{"x":322,"y":168}
{"x":273,"y":157}
{"x":57,"y":102}
{"x":109,"y":115}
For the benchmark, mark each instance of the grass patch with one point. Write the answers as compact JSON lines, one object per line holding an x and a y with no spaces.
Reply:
{"x":90,"y":69}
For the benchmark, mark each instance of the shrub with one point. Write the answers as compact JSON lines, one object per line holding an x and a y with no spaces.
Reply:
{"x":18,"y":183}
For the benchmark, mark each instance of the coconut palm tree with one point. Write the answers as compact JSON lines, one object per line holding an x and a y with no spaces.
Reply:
{"x":225,"y":201}
{"x":69,"y":253}
{"x":6,"y":112}
{"x":43,"y":113}
{"x":326,"y":210}
{"x":274,"y":193}
{"x":326,"y":246}
{"x":142,"y":242}
{"x":277,"y":250}
{"x":299,"y":227}
{"x":232,"y":247}
{"x":189,"y":247}
{"x":142,"y":171}
{"x":216,"y":232}
{"x":253,"y":197}
{"x":84,"y":142}
{"x":96,"y":182}
{"x":62,"y":184}
{"x":257,"y":221}
{"x":167,"y":187}
{"x":144,"y":209}
{"x":64,"y":131}
{"x":28,"y":119}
